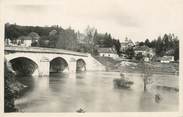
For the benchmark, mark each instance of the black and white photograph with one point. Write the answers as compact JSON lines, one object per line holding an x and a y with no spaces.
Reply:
{"x":99,"y":56}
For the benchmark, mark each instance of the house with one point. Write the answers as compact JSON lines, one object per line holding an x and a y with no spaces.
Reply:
{"x":108,"y":52}
{"x":24,"y":41}
{"x":7,"y":42}
{"x":126,"y":44}
{"x":146,"y":59}
{"x":28,"y":40}
{"x":167,"y":59}
{"x":147,"y":52}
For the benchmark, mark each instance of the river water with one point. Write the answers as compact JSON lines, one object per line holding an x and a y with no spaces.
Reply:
{"x":94,"y":92}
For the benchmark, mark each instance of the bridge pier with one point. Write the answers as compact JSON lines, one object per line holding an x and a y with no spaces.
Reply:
{"x":44,"y":67}
{"x":72,"y":65}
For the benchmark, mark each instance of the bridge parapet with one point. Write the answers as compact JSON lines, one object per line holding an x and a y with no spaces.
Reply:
{"x":43,"y":50}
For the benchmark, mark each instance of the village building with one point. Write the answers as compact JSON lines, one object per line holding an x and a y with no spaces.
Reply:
{"x":147,"y":52}
{"x":108,"y":52}
{"x":7,"y":42}
{"x":146,"y":59}
{"x":167,"y":59}
{"x":24,"y":41}
{"x":27,"y":41}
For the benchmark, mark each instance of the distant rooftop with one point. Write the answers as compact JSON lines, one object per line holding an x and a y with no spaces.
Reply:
{"x":106,"y":50}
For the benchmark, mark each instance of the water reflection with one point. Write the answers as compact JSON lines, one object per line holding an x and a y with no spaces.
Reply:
{"x":93,"y":92}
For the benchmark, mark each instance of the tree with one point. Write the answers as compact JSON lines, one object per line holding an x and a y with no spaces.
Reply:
{"x":141,"y":43}
{"x":53,"y":40}
{"x":117,"y":46}
{"x":44,"y":41}
{"x":34,"y":35}
{"x":147,"y":43}
{"x":147,"y":73}
{"x":67,"y":39}
{"x":130,"y":53}
{"x":139,"y":56}
{"x":53,"y":32}
{"x":159,"y":47}
{"x":176,"y":54}
{"x":90,"y":32}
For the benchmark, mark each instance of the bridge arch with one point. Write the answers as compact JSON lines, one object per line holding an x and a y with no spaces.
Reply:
{"x":59,"y":64}
{"x":24,"y":66}
{"x":80,"y":65}
{"x":10,"y":57}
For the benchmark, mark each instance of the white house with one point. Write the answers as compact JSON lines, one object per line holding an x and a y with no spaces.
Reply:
{"x":146,"y":51}
{"x":24,"y":41}
{"x":28,"y":40}
{"x":108,"y":52}
{"x":167,"y":59}
{"x":146,"y":59}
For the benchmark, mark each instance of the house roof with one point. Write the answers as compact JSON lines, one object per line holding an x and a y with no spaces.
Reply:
{"x":24,"y":38}
{"x":106,"y":50}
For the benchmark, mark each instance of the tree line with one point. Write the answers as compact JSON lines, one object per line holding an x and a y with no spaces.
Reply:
{"x":168,"y":44}
{"x":57,"y":37}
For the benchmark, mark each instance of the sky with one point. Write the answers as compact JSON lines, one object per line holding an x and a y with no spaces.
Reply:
{"x":135,"y":19}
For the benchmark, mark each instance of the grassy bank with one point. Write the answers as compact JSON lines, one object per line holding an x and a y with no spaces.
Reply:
{"x":109,"y":63}
{"x":135,"y":66}
{"x":156,"y":67}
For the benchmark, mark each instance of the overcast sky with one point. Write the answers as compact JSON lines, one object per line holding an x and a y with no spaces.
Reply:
{"x":136,"y":19}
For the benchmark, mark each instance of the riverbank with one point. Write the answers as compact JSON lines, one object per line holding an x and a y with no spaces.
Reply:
{"x":12,"y":88}
{"x":169,"y":82}
{"x":131,"y":66}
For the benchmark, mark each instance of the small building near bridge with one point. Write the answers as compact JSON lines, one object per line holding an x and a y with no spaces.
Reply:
{"x":108,"y":52}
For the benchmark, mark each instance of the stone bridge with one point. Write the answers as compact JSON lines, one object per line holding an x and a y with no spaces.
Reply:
{"x":42,"y":61}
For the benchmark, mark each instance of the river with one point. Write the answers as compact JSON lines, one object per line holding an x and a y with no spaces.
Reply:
{"x":93,"y":92}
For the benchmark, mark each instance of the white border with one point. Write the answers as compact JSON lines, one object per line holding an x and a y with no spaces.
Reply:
{"x":107,"y":114}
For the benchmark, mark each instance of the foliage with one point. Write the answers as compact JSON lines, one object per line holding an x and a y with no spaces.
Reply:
{"x":35,"y":44}
{"x":67,"y":39}
{"x":148,"y":71}
{"x":130,"y":53}
{"x":44,"y":41}
{"x":139,"y":56}
{"x":162,"y":45}
{"x":9,"y":94}
{"x":13,"y":31}
{"x":117,"y":46}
